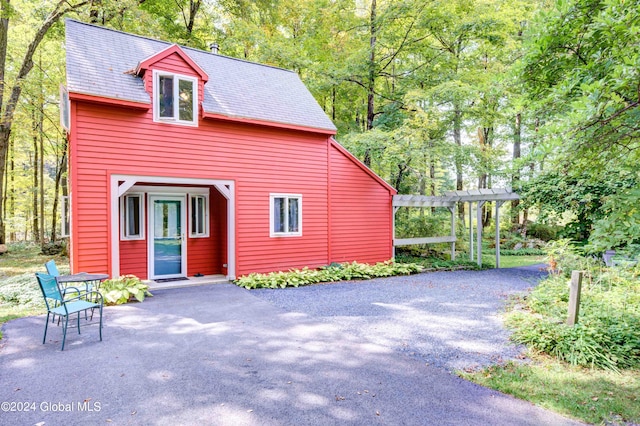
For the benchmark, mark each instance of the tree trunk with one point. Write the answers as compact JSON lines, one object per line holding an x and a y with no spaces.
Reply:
{"x":40,"y":135}
{"x":36,"y":174}
{"x":41,"y":176}
{"x":11,"y":188}
{"x":372,"y":66}
{"x":60,"y":169}
{"x":7,"y":107}
{"x":371,"y":78}
{"x":515,"y":180}
{"x":457,"y":138}
{"x":194,"y":6}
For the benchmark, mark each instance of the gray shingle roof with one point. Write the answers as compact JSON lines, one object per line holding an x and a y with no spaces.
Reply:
{"x":99,"y":62}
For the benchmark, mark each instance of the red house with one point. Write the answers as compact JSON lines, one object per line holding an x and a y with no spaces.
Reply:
{"x":185,"y":162}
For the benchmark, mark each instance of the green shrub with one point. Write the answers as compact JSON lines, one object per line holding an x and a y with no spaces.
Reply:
{"x":563,"y":257}
{"x":330,"y":273}
{"x":542,"y":232}
{"x":413,"y":223}
{"x":121,"y":290}
{"x":607,"y":334}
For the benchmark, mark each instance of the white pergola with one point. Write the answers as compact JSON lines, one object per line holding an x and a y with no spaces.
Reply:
{"x":449,"y":200}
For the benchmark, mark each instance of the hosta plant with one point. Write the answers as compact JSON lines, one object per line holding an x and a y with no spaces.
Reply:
{"x":123,"y":289}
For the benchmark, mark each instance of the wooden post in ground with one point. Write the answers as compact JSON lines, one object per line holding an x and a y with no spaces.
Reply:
{"x":574,"y":297}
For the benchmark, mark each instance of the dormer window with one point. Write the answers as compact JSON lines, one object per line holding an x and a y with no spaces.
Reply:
{"x":175,"y":98}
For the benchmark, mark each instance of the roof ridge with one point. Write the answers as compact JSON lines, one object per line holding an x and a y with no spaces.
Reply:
{"x":168,"y":43}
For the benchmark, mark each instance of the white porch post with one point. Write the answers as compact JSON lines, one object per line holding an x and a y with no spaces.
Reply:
{"x":479,"y":231}
{"x":453,"y":231}
{"x":471,"y":231}
{"x":498,"y":205}
{"x":393,"y":231}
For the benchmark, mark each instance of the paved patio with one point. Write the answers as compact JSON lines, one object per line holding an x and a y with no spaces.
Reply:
{"x":219,"y":355}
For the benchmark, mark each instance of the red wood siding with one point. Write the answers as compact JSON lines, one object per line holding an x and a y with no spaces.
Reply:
{"x":133,"y":258}
{"x":261,"y":160}
{"x":361,"y":222}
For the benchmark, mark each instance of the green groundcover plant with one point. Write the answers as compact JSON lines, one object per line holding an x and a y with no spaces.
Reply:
{"x":120,"y":290}
{"x":607,"y":334}
{"x":330,"y":273}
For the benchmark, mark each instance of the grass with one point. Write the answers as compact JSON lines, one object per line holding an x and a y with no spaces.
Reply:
{"x":462,"y":261}
{"x":513,"y":261}
{"x":19,"y":292}
{"x":590,"y":395}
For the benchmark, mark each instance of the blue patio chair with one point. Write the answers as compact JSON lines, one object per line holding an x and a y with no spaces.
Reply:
{"x":58,"y":304}
{"x":52,"y":268}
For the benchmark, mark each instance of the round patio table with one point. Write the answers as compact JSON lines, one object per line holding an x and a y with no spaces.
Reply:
{"x":89,"y":280}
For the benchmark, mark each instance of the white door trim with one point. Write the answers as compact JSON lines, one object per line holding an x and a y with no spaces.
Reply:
{"x":225,"y":187}
{"x":152,"y":196}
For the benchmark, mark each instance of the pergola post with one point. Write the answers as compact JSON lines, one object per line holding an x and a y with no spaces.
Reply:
{"x":471,"y":231}
{"x":498,"y":205}
{"x":449,"y":200}
{"x":453,"y":231}
{"x":479,"y":231}
{"x":393,"y":233}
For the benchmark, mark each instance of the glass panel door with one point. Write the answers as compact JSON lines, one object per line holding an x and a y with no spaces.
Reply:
{"x":167,"y":258}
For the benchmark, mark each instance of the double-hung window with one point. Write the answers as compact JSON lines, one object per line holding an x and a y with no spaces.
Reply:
{"x":175,"y":98}
{"x":132,"y":217}
{"x":286,"y":215}
{"x":199,"y":212}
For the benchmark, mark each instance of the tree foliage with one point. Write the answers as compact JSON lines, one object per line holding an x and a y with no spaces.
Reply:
{"x":582,"y":69}
{"x":433,"y":96}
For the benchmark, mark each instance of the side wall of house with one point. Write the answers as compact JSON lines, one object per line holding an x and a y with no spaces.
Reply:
{"x":361,"y":221}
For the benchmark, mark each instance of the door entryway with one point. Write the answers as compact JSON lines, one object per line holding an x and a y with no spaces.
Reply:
{"x":167,"y":242}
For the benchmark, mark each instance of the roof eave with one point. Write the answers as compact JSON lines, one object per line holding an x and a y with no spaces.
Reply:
{"x":254,"y":121}
{"x":169,"y":50}
{"x":93,"y":98}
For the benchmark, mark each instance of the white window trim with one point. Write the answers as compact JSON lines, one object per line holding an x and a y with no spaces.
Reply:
{"x":204,"y":234}
{"x":272,"y":233}
{"x":123,"y":217}
{"x":65,"y":213}
{"x":156,"y":99}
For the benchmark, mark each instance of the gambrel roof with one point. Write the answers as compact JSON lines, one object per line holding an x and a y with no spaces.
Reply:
{"x":101,"y":62}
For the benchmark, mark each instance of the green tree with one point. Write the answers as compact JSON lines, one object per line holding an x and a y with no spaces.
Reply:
{"x":582,"y":68}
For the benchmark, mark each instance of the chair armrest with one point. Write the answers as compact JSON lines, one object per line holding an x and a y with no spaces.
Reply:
{"x":68,"y":290}
{"x":85,"y":295}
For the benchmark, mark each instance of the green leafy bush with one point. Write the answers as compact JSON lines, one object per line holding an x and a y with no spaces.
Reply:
{"x":607,"y":334}
{"x":542,"y":231}
{"x":563,"y":257}
{"x":121,"y":290}
{"x":330,"y":273}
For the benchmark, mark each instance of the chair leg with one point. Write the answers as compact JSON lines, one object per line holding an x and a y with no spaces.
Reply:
{"x":100,"y":323}
{"x":64,"y":330}
{"x":46,"y":325}
{"x":85,"y":312}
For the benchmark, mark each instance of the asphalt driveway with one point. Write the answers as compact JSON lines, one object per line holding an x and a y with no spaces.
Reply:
{"x":222,"y":355}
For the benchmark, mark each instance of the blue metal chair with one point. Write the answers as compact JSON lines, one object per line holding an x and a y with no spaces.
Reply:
{"x":52,"y":268}
{"x":66,"y":307}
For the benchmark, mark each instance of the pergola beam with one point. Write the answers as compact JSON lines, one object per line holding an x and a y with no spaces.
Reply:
{"x":449,"y":200}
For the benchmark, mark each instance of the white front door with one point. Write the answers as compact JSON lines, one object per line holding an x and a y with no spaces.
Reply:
{"x":167,"y":240}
